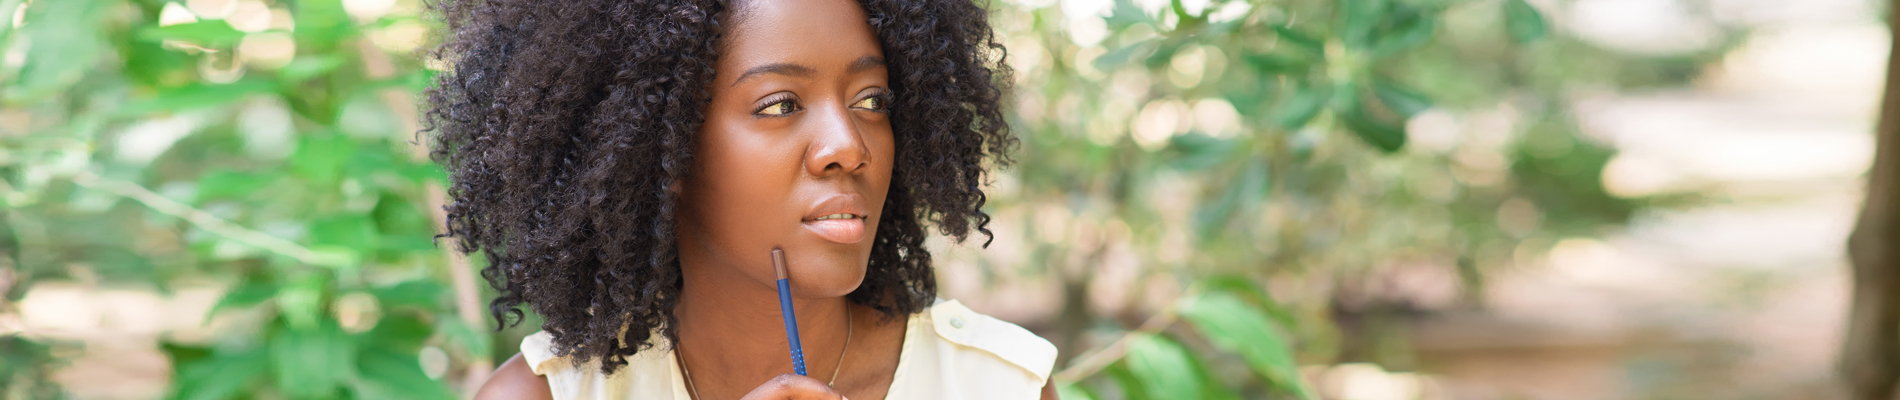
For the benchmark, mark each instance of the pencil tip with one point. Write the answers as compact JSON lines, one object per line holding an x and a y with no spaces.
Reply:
{"x":778,"y":263}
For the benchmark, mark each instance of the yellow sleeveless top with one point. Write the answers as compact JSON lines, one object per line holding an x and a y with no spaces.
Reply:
{"x":950,"y":352}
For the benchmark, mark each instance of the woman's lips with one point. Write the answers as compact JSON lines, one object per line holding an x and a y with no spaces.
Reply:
{"x":846,"y":231}
{"x":838,"y":218}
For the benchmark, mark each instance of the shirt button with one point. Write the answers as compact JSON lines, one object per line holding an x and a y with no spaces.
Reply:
{"x":956,"y":322}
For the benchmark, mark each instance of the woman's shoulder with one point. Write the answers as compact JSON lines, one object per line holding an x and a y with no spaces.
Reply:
{"x":987,"y":336}
{"x":648,"y":374}
{"x":515,"y":380}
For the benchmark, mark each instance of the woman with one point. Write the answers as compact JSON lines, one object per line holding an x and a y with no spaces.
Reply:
{"x":627,"y":168}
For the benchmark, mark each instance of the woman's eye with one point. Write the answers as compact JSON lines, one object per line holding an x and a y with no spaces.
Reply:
{"x":780,"y":108}
{"x":870,"y":103}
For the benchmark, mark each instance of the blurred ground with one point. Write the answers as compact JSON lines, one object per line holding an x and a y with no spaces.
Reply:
{"x":1741,"y":298}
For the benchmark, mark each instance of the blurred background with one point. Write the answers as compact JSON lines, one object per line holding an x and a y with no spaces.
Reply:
{"x":1317,"y":199}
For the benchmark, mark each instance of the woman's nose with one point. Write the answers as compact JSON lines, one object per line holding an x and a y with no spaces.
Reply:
{"x":837,"y":146}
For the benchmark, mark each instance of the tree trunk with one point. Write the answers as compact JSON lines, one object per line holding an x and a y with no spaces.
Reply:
{"x":1870,"y":357}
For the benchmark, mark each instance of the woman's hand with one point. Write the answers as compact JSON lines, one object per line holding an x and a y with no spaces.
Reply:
{"x":793,"y":387}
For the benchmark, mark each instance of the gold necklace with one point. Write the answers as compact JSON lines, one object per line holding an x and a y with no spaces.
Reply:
{"x":678,"y":355}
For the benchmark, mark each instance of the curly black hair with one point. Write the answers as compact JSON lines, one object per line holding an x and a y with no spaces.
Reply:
{"x":563,"y":124}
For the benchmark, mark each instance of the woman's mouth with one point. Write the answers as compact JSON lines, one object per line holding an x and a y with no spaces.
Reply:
{"x":839,"y":218}
{"x":842,"y":228}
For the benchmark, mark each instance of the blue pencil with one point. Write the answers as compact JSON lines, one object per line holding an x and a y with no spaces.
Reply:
{"x":785,"y":308}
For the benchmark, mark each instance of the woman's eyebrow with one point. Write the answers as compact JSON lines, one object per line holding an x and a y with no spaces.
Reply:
{"x":864,"y":63}
{"x":787,"y":69}
{"x":796,"y":70}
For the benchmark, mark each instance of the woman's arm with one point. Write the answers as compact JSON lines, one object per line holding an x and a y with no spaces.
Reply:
{"x":1049,"y":391}
{"x":515,"y":381}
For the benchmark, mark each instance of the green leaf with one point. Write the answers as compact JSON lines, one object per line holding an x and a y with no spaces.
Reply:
{"x":196,"y":96}
{"x":387,"y":375}
{"x":312,"y":363}
{"x":63,"y":44}
{"x":308,"y":67}
{"x":1163,"y":367}
{"x":1115,"y":59}
{"x":322,"y":25}
{"x":320,"y":157}
{"x":1524,"y":22}
{"x":424,"y":172}
{"x":207,"y":33}
{"x":247,"y":293}
{"x":301,"y":301}
{"x":1071,"y":391}
{"x":1300,"y":40}
{"x":422,"y":293}
{"x":1405,"y":102}
{"x":1408,"y":30}
{"x":1130,"y":384}
{"x":1197,"y":152}
{"x":219,"y":377}
{"x":401,"y":331}
{"x":1305,"y":103}
{"x":1358,"y":20}
{"x":1386,"y":136}
{"x":1234,"y":326}
{"x":7,"y":8}
{"x":1244,"y":191}
{"x":355,"y":231}
{"x":476,"y":341}
{"x":183,"y":354}
{"x":231,"y":184}
{"x":1279,"y":63}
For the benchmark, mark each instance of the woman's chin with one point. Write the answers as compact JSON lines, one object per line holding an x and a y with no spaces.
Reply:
{"x":816,"y":276}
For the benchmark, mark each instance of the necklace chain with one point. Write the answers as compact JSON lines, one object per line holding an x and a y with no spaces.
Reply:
{"x":678,"y":354}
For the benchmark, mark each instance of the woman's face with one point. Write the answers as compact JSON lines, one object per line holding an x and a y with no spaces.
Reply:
{"x":796,"y":149}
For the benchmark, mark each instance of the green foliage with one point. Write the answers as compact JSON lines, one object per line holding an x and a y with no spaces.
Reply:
{"x":1224,"y":144}
{"x":291,"y":179}
{"x":26,"y":369}
{"x":1315,"y":175}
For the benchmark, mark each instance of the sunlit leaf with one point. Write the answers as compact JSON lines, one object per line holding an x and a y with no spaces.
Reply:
{"x":1196,"y":152}
{"x":1070,"y":391}
{"x":1407,"y":30}
{"x":1234,"y":326}
{"x":247,"y":293}
{"x":322,"y":25}
{"x":1385,"y":136}
{"x":312,"y":363}
{"x":1305,"y":103}
{"x":1279,"y":63}
{"x":388,"y":375}
{"x":1121,"y":56}
{"x":424,"y":294}
{"x":1399,"y":99}
{"x":1245,"y":190}
{"x":400,"y":330}
{"x":320,"y":157}
{"x":231,"y":184}
{"x":1299,"y":40}
{"x":460,"y":332}
{"x":63,"y":43}
{"x":1358,"y":19}
{"x":207,"y":33}
{"x":1524,"y":22}
{"x":220,"y":377}
{"x":301,"y":301}
{"x":197,"y":96}
{"x":1163,"y":367}
{"x":308,"y":67}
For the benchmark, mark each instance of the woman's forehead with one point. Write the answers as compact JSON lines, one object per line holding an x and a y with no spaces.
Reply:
{"x":825,"y":35}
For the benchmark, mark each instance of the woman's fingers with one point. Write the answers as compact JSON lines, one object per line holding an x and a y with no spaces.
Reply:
{"x":793,"y":387}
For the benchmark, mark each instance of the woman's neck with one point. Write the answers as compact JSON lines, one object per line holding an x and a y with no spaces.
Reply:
{"x":733,"y":338}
